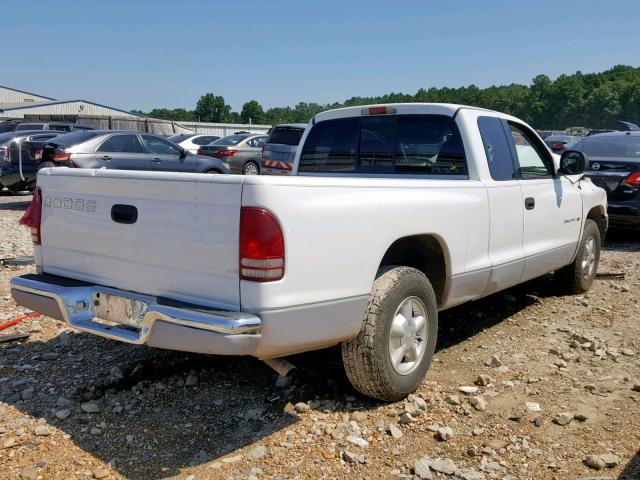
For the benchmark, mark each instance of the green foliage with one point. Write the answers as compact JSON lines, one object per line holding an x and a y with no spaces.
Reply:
{"x":252,"y":112}
{"x":212,"y":108}
{"x":593,"y":100}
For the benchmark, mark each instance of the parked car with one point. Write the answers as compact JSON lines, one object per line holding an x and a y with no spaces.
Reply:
{"x":614,"y":165}
{"x":57,"y":126}
{"x":394,"y":213}
{"x":8,"y":126}
{"x":192,"y":141}
{"x":279,"y":151}
{"x":9,"y":158}
{"x":560,"y":143}
{"x":124,"y":150}
{"x":242,"y":151}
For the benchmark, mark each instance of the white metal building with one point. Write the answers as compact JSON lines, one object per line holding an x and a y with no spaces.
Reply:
{"x":18,"y":104}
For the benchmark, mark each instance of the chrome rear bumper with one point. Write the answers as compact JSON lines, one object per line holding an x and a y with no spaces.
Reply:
{"x":77,"y":303}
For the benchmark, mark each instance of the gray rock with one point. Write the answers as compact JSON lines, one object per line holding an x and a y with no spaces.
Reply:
{"x":476,"y":432}
{"x":453,"y":400}
{"x":483,"y":380}
{"x":478,"y":403}
{"x":468,"y":474}
{"x":468,"y":389}
{"x":62,"y":413}
{"x":90,"y":407}
{"x":563,"y":418}
{"x":360,"y":442}
{"x":116,"y":372}
{"x":472,"y":450}
{"x":395,"y":432}
{"x":444,"y":433}
{"x":610,"y":460}
{"x":405,"y":419}
{"x":258,"y":452}
{"x":595,"y":462}
{"x":491,"y":466}
{"x":445,"y":466}
{"x":560,"y":363}
{"x":63,"y":403}
{"x":192,"y":379}
{"x":27,"y":394}
{"x":41,"y":431}
{"x":494,"y":361}
{"x":422,"y":470}
{"x":350,"y":457}
{"x":50,"y":356}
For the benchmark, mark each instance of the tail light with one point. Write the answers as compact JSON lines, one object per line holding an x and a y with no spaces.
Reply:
{"x":33,"y":216}
{"x":632,"y":180}
{"x":227,"y":153}
{"x":4,"y":153}
{"x":38,"y":154}
{"x":200,"y":152}
{"x":60,"y":156}
{"x":261,"y":246}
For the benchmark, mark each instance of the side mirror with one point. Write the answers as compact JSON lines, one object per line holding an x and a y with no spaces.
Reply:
{"x":572,"y":162}
{"x":183,"y":153}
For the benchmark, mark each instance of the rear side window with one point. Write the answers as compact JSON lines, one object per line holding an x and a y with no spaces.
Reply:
{"x":286,"y":136}
{"x":496,"y":148}
{"x":159,"y":146}
{"x":60,"y":128}
{"x":230,"y":140}
{"x":400,"y":144}
{"x":121,"y":144}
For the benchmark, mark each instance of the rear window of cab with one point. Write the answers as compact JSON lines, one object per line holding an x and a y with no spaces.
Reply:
{"x":385,"y":144}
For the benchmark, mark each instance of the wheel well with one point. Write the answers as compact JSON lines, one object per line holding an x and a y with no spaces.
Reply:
{"x":424,"y":253}
{"x":213,"y":170}
{"x":597,"y":215}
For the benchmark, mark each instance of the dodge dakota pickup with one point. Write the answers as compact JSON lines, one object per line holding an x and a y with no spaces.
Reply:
{"x":394,"y":213}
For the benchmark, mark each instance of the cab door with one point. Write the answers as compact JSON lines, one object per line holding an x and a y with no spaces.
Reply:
{"x":506,"y":215}
{"x":552,"y":205}
{"x":167,"y":157}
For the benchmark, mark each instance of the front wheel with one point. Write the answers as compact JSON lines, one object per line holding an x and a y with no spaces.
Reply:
{"x":391,"y":355}
{"x":251,"y":168}
{"x":578,"y":276}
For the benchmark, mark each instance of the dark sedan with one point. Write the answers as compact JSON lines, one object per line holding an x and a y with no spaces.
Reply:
{"x":121,"y":150}
{"x":614,"y":164}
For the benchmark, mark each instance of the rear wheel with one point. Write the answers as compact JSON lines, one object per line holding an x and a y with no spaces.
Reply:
{"x":391,"y":355}
{"x":578,"y":276}
{"x":251,"y":168}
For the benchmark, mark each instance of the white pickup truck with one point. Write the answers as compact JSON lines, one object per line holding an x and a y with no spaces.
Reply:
{"x":394,"y":212}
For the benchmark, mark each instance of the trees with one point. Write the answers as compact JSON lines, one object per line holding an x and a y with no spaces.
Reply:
{"x":212,"y":108}
{"x":252,"y":112}
{"x":592,"y":100}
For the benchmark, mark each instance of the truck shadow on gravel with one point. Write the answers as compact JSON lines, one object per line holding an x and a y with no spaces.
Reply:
{"x":14,"y":203}
{"x":162,"y":411}
{"x":632,"y":469}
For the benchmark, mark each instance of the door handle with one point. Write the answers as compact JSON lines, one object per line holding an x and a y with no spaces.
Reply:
{"x":105,"y":157}
{"x":156,"y":160}
{"x":529,"y":203}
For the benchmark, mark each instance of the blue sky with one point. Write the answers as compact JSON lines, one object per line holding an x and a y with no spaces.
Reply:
{"x":145,"y":54}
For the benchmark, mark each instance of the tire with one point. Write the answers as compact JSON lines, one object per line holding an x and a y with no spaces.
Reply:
{"x":578,"y":276}
{"x":251,"y":168}
{"x":367,"y":358}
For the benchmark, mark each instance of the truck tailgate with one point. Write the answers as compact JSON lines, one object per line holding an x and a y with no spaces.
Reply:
{"x":183,"y":244}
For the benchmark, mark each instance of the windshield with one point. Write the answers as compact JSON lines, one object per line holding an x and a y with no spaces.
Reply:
{"x":230,"y":140}
{"x":618,"y":146}
{"x":30,"y":126}
{"x":286,"y":135}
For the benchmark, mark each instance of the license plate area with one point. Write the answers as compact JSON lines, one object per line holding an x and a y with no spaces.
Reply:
{"x":115,"y":309}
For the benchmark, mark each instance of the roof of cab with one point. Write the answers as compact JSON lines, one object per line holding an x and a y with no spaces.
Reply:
{"x":448,"y":109}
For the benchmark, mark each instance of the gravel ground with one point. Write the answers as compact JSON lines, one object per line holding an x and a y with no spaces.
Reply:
{"x":526,"y":384}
